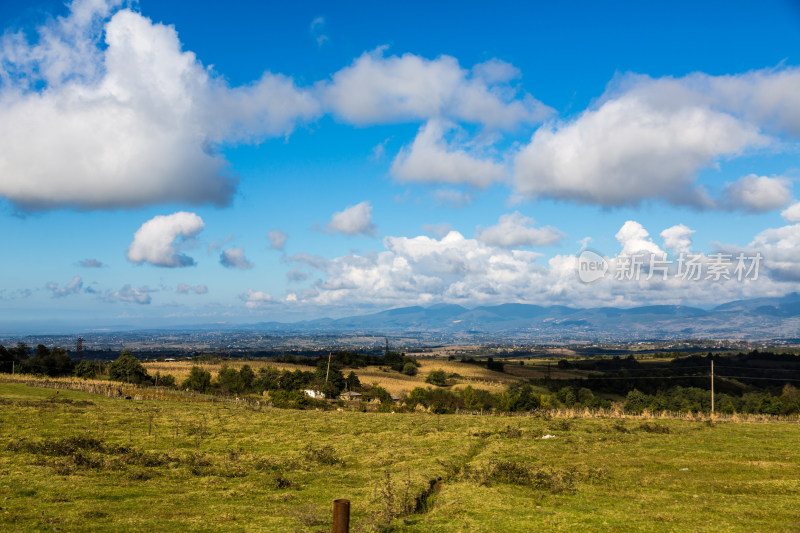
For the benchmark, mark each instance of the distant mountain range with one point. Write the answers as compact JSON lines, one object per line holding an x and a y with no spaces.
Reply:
{"x":761,"y":318}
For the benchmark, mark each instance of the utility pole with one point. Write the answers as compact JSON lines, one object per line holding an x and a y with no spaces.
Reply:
{"x":329,"y":368}
{"x":712,"y":387}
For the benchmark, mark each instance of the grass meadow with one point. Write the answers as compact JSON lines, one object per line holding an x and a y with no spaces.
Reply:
{"x":76,"y":461}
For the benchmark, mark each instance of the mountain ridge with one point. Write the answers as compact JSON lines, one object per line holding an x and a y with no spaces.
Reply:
{"x":776,"y":317}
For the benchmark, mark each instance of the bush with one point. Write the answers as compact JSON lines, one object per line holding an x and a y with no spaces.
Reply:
{"x":323,"y":456}
{"x":198,"y":380}
{"x":635,"y":402}
{"x":229,"y":381}
{"x":437,"y":377}
{"x":167,"y":380}
{"x":87,"y":369}
{"x":410,"y":369}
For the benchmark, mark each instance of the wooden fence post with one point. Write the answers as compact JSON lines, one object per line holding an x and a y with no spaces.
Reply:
{"x":341,"y":516}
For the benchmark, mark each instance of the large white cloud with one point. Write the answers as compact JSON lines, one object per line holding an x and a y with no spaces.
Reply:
{"x":354,"y":220}
{"x":649,"y":138}
{"x":678,"y":238}
{"x":423,"y":270}
{"x":379,"y":89}
{"x":628,"y":150}
{"x":430,"y":159}
{"x":767,"y":97}
{"x":516,"y":229}
{"x":157,"y":240}
{"x":129,"y":122}
{"x":757,"y":193}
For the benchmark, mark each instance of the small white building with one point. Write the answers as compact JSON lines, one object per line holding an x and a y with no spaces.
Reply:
{"x":317,"y":395}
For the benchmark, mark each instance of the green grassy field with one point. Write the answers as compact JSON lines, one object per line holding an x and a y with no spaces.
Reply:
{"x":74,"y":461}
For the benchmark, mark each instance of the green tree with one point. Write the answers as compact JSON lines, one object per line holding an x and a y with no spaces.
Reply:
{"x":247,"y":377}
{"x":418,"y":395}
{"x":566,"y":396}
{"x":229,"y":381}
{"x":128,"y":369}
{"x":335,"y":381}
{"x":437,"y":377}
{"x":636,"y":401}
{"x":267,"y":379}
{"x":470,"y":400}
{"x":586,"y":397}
{"x":21,"y":352}
{"x":51,"y":363}
{"x":520,"y":398}
{"x":198,"y":380}
{"x":352,"y":383}
{"x":87,"y":369}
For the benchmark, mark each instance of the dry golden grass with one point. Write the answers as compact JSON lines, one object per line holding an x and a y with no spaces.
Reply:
{"x":394,"y":382}
{"x":181,"y":369}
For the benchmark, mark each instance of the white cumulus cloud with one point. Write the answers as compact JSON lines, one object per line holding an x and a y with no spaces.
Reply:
{"x":678,"y":238}
{"x":423,"y":270}
{"x":630,"y":149}
{"x":157,"y":241}
{"x":780,"y":248}
{"x":454,"y":269}
{"x":635,"y":239}
{"x":757,"y":193}
{"x":515,"y":229}
{"x":792,"y":213}
{"x":104,"y":109}
{"x":430,"y":159}
{"x":380,"y":89}
{"x":354,"y":220}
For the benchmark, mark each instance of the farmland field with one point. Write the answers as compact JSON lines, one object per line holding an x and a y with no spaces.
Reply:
{"x":394,"y":382}
{"x":73,"y":461}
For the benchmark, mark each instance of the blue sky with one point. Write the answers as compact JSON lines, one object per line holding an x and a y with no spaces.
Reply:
{"x":165,"y":163}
